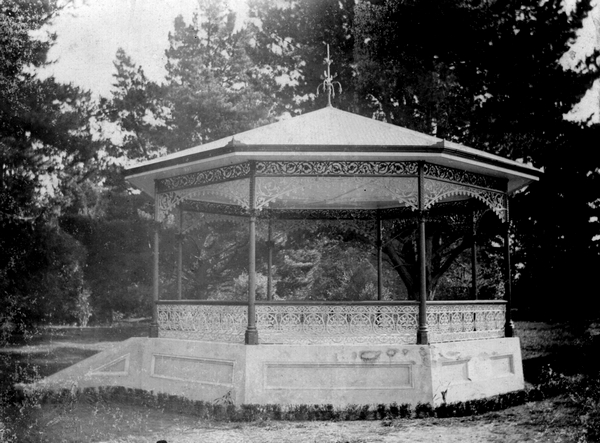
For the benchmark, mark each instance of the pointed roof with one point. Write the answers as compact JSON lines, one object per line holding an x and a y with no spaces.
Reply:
{"x":326,"y":134}
{"x":331,"y":126}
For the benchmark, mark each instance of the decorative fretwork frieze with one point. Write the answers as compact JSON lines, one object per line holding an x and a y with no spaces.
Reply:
{"x":456,"y":322}
{"x":403,"y":190}
{"x":463,"y":177}
{"x":166,"y":202}
{"x":343,"y":185}
{"x":436,"y":191}
{"x":332,"y":323}
{"x":201,"y":178}
{"x":336,"y":168}
{"x":234,"y":192}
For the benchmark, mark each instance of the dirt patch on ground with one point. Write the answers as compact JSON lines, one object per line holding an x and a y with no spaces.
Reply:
{"x":545,"y":421}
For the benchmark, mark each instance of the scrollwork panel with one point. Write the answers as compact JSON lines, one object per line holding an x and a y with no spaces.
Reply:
{"x":332,"y":324}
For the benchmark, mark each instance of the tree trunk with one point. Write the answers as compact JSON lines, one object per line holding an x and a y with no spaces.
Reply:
{"x":402,"y":268}
{"x":405,"y":263}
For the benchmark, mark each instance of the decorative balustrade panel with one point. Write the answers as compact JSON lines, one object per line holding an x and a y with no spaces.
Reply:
{"x":456,"y":322}
{"x":337,"y":324}
{"x":331,"y":323}
{"x":221,"y":323}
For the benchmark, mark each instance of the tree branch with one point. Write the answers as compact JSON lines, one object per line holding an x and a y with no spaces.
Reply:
{"x":467,"y":242}
{"x":401,"y":267}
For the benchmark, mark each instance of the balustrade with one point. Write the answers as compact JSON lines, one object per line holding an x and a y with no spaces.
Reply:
{"x":472,"y":320}
{"x":331,"y":322}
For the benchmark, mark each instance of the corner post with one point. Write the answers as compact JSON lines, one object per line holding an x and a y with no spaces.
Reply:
{"x":423,"y":331}
{"x":155,"y":276}
{"x":509,"y":327}
{"x":474,"y":294}
{"x":379,"y":259}
{"x":180,"y":255}
{"x":270,"y":263}
{"x":251,"y":331}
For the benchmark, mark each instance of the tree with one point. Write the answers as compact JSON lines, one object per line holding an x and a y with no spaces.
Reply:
{"x":138,"y":109}
{"x":415,"y":66}
{"x":214,"y":255}
{"x":47,"y":154}
{"x":489,"y":83}
{"x":557,"y":230}
{"x":480,"y":73}
{"x":118,"y":248}
{"x":213,"y":88}
{"x":290,"y":43}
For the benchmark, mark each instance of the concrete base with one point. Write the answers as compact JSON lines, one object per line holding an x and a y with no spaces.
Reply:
{"x":304,"y":374}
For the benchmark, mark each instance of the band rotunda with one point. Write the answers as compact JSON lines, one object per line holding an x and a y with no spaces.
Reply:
{"x":324,"y":168}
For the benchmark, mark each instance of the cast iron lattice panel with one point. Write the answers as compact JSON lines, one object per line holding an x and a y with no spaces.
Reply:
{"x":332,"y":324}
{"x":220,"y":323}
{"x":291,"y":324}
{"x":337,"y":324}
{"x":465,"y":322}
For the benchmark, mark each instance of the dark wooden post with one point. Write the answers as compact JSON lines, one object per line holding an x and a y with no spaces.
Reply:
{"x":509,"y":328}
{"x":379,"y":259}
{"x":251,"y":331}
{"x":180,"y":255}
{"x":270,"y":264}
{"x":422,"y":332}
{"x":474,"y":295}
{"x":155,"y":275}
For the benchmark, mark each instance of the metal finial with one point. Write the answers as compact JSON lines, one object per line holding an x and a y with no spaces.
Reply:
{"x":328,"y":83}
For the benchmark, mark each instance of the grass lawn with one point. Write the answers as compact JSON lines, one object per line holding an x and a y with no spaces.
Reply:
{"x":554,"y":420}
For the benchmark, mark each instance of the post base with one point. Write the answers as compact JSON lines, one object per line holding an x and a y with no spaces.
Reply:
{"x":509,"y":329}
{"x":422,"y":336}
{"x":251,"y":336}
{"x":153,"y":331}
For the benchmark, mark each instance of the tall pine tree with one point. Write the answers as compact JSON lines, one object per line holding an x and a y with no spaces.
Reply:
{"x":213,"y":88}
{"x":48,"y":156}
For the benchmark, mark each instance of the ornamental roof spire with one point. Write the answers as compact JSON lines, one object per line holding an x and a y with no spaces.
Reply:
{"x":328,"y":84}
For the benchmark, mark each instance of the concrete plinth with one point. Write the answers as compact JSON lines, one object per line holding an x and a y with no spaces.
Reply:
{"x":309,"y":374}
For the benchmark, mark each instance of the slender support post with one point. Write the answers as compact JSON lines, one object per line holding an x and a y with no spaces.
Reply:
{"x":509,"y":327}
{"x":180,"y":255}
{"x":379,"y":259}
{"x":270,"y":264}
{"x":155,"y":276}
{"x":251,"y":331}
{"x":423,"y":331}
{"x":474,"y":294}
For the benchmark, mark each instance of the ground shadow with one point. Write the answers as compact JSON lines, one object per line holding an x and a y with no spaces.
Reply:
{"x":568,"y":359}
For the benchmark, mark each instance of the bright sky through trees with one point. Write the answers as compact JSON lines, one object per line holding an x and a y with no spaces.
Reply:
{"x":90,"y":34}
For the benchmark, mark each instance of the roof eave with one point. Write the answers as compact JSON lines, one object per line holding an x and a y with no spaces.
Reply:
{"x":436,"y":149}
